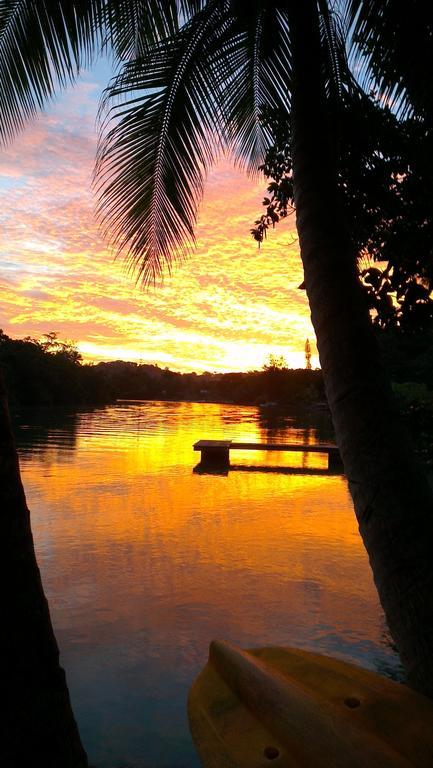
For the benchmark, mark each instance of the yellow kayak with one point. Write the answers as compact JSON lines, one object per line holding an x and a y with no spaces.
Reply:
{"x":288,"y":707}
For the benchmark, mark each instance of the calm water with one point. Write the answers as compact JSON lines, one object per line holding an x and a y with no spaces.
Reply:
{"x":144,"y":561}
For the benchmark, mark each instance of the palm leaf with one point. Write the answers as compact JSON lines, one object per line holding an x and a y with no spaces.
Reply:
{"x":393,"y":50}
{"x":258,"y":72}
{"x":162,"y":130}
{"x":188,"y":8}
{"x":42,"y":46}
{"x":134,"y":25}
{"x":336,"y":73}
{"x":44,"y":43}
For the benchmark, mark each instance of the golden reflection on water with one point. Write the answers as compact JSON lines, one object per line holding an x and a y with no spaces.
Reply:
{"x":145,"y":561}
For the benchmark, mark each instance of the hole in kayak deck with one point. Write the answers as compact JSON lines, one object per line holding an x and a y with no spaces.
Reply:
{"x":352,"y":702}
{"x":271,"y":752}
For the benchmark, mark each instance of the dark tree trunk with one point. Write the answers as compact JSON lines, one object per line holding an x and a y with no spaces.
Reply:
{"x":38,"y":726}
{"x":392,"y":499}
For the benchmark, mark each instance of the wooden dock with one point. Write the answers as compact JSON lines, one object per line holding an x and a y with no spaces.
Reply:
{"x":217,"y":452}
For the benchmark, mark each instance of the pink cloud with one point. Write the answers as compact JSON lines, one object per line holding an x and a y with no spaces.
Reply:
{"x":228,"y":306}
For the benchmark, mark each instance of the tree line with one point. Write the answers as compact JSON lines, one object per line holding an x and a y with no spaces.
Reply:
{"x":50,"y":372}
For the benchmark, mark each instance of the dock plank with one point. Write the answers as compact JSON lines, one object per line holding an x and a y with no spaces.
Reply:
{"x":212,"y":444}
{"x":217,"y":452}
{"x":232,"y":445}
{"x":301,"y":447}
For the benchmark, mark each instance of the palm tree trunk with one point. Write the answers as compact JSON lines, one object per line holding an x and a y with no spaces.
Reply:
{"x":393,"y":501}
{"x":38,"y":727}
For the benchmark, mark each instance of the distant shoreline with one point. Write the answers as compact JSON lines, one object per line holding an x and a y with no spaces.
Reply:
{"x":51,"y":373}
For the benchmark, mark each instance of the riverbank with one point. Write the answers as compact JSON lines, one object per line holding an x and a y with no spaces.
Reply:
{"x":52,"y":373}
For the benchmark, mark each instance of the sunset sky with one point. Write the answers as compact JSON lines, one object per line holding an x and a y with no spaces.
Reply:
{"x":227,"y":307}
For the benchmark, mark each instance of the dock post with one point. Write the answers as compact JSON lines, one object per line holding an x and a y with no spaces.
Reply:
{"x":335,"y":461}
{"x":215,"y":454}
{"x":215,"y":457}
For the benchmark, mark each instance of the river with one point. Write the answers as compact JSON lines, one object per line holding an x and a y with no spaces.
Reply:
{"x":144,"y":561}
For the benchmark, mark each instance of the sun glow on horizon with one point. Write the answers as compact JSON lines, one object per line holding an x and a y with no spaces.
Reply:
{"x":252,"y":358}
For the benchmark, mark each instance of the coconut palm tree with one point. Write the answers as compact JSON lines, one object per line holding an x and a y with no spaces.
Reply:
{"x":192,"y":79}
{"x":169,"y":114}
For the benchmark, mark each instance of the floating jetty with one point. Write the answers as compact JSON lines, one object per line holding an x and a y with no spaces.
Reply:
{"x":216,"y":453}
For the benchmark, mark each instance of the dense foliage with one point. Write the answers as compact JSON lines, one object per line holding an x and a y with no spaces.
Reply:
{"x":51,"y":372}
{"x":385,"y":174}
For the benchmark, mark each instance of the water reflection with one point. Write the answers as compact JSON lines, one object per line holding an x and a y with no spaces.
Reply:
{"x":312,"y":426}
{"x":144,"y":561}
{"x":42,"y":430}
{"x":286,"y":470}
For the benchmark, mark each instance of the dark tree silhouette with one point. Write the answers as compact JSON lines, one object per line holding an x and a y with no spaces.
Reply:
{"x":385,"y":173}
{"x":38,"y":726}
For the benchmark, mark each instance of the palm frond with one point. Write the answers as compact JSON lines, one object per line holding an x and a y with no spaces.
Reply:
{"x":337,"y":75}
{"x":45,"y":43}
{"x":258,"y":76}
{"x":188,"y":8}
{"x":42,"y":46}
{"x":392,"y":49}
{"x":134,"y":25}
{"x":162,"y":130}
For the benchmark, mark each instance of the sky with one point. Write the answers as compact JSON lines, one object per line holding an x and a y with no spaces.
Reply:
{"x":228,"y":306}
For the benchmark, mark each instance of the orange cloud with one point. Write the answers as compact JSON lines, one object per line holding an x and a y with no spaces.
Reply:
{"x":226,"y":307}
